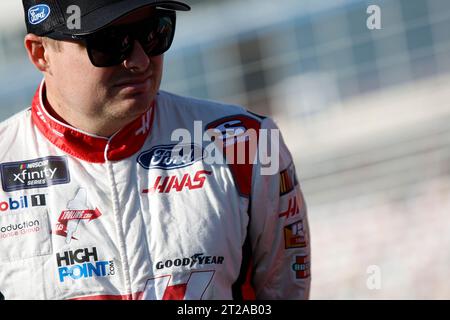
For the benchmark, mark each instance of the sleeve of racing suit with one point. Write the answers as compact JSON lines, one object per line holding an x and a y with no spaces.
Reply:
{"x":279,"y":231}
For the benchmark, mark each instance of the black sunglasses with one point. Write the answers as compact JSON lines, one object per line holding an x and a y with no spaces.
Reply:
{"x":112,"y":45}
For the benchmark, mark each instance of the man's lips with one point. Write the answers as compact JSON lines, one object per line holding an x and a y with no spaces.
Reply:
{"x":134,"y":83}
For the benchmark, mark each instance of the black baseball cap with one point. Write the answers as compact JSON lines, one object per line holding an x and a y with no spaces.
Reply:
{"x":47,"y":17}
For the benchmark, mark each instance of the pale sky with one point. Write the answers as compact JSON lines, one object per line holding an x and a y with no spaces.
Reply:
{"x":11,"y":14}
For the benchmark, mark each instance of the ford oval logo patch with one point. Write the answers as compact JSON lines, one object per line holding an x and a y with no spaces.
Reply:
{"x":38,"y":13}
{"x":171,"y":156}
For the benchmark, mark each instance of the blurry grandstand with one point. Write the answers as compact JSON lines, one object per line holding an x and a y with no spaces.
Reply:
{"x":366,"y":114}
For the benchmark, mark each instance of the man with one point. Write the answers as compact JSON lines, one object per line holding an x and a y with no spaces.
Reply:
{"x":103,"y":198}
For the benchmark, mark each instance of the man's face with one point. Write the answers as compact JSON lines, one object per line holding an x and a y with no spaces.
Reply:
{"x":121,"y":92}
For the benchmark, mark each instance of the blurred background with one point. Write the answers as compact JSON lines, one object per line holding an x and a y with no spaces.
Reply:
{"x":365,"y":113}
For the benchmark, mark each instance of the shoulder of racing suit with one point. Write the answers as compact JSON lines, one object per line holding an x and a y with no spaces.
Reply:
{"x":202,"y":107}
{"x":12,"y":133}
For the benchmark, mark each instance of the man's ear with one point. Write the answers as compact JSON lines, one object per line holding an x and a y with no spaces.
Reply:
{"x":37,"y":51}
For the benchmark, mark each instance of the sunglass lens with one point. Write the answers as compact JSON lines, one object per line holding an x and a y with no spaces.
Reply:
{"x":156,"y":37}
{"x":110,"y":48}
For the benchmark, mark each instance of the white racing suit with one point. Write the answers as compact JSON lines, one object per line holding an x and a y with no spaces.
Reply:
{"x":133,"y":217}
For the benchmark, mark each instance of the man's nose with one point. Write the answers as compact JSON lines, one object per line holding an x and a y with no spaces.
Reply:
{"x":137,"y":61}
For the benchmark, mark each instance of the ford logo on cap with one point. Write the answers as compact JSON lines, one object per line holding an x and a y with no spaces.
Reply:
{"x":38,"y":13}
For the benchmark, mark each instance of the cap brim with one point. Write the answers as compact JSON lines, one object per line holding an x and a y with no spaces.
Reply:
{"x":107,"y":15}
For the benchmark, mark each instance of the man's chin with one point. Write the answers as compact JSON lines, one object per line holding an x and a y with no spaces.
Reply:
{"x":133,"y":107}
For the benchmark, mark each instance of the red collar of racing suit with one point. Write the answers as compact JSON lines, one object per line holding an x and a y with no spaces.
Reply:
{"x":88,"y":147}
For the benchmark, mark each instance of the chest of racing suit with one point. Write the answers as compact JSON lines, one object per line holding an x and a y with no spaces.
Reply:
{"x":136,"y":217}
